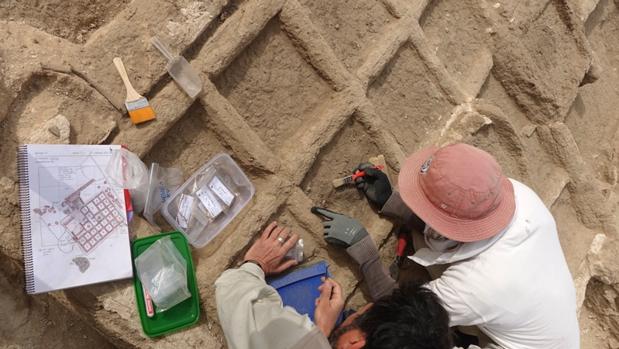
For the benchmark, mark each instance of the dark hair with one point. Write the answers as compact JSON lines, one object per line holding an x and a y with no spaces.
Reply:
{"x":411,"y":318}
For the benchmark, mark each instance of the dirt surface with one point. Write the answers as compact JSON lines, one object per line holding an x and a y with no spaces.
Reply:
{"x":41,"y":322}
{"x":299,"y":92}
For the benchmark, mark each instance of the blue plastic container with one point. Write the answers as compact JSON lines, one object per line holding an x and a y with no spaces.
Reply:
{"x":299,"y":288}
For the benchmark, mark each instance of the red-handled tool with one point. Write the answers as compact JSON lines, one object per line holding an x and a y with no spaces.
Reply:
{"x":394,"y":268}
{"x":148,"y":302}
{"x":351,"y":178}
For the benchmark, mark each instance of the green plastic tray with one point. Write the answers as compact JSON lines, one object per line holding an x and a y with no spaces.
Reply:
{"x":181,"y":315}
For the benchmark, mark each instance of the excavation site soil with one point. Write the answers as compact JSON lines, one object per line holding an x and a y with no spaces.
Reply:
{"x":299,"y":92}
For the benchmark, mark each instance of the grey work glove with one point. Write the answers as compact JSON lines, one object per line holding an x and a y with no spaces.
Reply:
{"x":340,"y":230}
{"x":375,"y":185}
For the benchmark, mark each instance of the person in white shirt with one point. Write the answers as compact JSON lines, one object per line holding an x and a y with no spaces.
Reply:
{"x":505,"y":269}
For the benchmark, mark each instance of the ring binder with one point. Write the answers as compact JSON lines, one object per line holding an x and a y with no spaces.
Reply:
{"x":73,"y":220}
{"x":26,"y":224}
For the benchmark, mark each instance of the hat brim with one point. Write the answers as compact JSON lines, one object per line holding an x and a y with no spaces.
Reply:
{"x":453,"y":228}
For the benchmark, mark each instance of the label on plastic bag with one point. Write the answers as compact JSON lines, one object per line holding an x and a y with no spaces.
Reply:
{"x":221,"y":191}
{"x":210,"y":202}
{"x":185,"y":206}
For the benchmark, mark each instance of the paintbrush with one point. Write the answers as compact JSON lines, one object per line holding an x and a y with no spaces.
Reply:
{"x":137,"y":105}
{"x":351,"y":179}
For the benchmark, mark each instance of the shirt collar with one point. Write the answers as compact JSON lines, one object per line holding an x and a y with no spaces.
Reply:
{"x":444,"y":251}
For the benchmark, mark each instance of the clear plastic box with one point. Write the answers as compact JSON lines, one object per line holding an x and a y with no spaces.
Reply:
{"x":204,"y":205}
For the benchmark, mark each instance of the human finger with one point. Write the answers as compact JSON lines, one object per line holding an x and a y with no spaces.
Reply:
{"x":276,"y":232}
{"x":324,"y":213}
{"x":267,"y":231}
{"x":362,"y":166}
{"x":288,"y":263}
{"x":373,"y":172}
{"x":363,"y":186}
{"x":326,"y":232}
{"x":292,"y":240}
{"x":284,"y":234}
{"x":325,"y":291}
{"x":336,"y":292}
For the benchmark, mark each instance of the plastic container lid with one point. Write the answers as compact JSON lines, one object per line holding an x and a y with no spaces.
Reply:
{"x":179,"y":316}
{"x":299,"y":288}
{"x":206,"y":203}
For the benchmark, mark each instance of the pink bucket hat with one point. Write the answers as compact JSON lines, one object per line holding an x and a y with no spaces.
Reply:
{"x":458,"y":190}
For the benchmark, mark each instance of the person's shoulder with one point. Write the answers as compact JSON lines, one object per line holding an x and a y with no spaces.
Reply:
{"x":525,"y":196}
{"x":521,"y":188}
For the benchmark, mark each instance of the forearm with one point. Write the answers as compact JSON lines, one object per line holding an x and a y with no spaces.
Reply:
{"x":376,"y":276}
{"x":251,"y":312}
{"x":396,"y":208}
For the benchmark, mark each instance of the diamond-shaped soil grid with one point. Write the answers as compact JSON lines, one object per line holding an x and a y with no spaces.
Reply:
{"x":272,"y":86}
{"x":543,"y":67}
{"x":349,"y":26}
{"x":408,"y":100}
{"x":456,"y":29}
{"x":73,"y":20}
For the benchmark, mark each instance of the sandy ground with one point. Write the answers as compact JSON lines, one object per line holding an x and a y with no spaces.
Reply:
{"x":41,"y":323}
{"x":299,"y":92}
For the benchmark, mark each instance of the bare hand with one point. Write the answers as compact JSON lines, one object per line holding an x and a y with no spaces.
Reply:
{"x":271,"y":247}
{"x":328,"y":306}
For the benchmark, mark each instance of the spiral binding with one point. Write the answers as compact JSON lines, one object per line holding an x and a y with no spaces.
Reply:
{"x":26,"y":224}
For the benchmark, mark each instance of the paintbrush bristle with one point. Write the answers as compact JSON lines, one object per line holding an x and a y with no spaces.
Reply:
{"x":141,"y":115}
{"x":342,"y":181}
{"x":139,"y":110}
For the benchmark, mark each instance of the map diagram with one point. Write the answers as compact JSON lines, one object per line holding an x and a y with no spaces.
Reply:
{"x":78,"y":207}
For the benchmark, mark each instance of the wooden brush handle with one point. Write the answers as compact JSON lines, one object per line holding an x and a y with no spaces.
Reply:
{"x":132,"y":94}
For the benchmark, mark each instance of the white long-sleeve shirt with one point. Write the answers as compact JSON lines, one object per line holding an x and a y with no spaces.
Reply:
{"x":518,"y":290}
{"x":252,"y":316}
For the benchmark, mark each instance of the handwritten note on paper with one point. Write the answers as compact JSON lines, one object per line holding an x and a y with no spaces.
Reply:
{"x":210,"y":202}
{"x":221,"y":191}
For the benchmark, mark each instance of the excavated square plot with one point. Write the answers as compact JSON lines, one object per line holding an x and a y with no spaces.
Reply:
{"x":188,"y":145}
{"x":349,"y":148}
{"x":73,"y":20}
{"x":543,"y":66}
{"x":408,"y":100}
{"x":350,"y":27}
{"x":272,"y":86}
{"x":557,"y":54}
{"x":456,"y":29}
